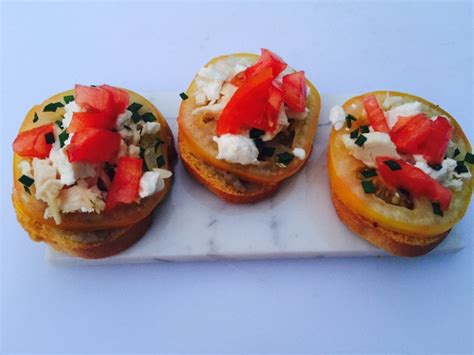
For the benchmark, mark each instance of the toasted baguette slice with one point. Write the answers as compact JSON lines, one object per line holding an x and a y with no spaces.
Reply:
{"x":390,"y":241}
{"x":88,"y":245}
{"x":224,"y":184}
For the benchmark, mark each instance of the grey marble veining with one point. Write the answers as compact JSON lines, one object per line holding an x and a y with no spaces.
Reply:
{"x":299,"y":221}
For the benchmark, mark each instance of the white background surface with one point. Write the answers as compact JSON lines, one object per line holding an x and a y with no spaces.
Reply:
{"x":344,"y":305}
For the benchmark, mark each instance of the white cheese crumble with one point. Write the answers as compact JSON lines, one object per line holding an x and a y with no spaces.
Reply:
{"x":408,"y":109}
{"x":236,"y":148}
{"x":150,"y":128}
{"x":69,"y":110}
{"x":81,"y":198}
{"x":377,"y":144}
{"x":300,"y":153}
{"x":25,"y":168}
{"x":391,"y":101}
{"x":446,"y":176}
{"x":337,"y":116}
{"x":133,"y":151}
{"x":124,"y":118}
{"x":70,"y":172}
{"x":152,"y":182}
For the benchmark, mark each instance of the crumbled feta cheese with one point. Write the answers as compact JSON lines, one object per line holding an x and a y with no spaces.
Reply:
{"x":216,"y":108}
{"x":133,"y":151}
{"x":236,"y":148}
{"x":123,"y":119}
{"x":337,"y":116}
{"x":239,"y":68}
{"x":150,"y":128}
{"x":81,"y":198}
{"x":69,"y":110}
{"x":408,"y":109}
{"x":391,"y":101}
{"x":446,"y":176}
{"x":70,"y":172}
{"x":299,"y":153}
{"x":25,"y":168}
{"x":152,"y":182}
{"x":377,"y":144}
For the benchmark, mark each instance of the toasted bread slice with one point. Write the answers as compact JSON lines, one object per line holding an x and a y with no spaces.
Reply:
{"x":390,"y":241}
{"x":224,"y":184}
{"x":88,"y":245}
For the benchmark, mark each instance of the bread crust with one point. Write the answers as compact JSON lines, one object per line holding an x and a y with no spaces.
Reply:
{"x":390,"y":241}
{"x":212,"y":179}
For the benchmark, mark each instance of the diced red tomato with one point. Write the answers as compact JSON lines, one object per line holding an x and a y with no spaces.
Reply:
{"x":126,"y":183}
{"x":32,"y":143}
{"x":436,"y":145}
{"x":401,"y":121}
{"x":94,"y":145}
{"x":415,"y":181}
{"x":121,"y":98}
{"x":375,"y":114}
{"x":82,"y":120}
{"x":275,"y":101}
{"x":94,"y":98}
{"x":267,"y":59}
{"x":294,"y":89}
{"x":412,"y":135}
{"x":246,"y":108}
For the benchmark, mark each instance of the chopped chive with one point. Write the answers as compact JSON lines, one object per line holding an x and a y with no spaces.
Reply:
{"x":437,"y":209}
{"x":469,"y":158}
{"x":59,"y":123}
{"x":127,"y":127}
{"x":35,"y":118}
{"x":149,"y":117}
{"x":368,"y":173}
{"x":26,"y":180}
{"x":267,"y":151}
{"x":27,"y":189}
{"x":460,"y":169}
{"x":63,"y":136}
{"x":349,"y":119}
{"x":160,"y":161}
{"x":136,"y":117}
{"x":456,"y":152}
{"x":142,"y":153}
{"x":258,"y":143}
{"x":364,"y":129}
{"x":435,"y":166}
{"x":285,"y":158}
{"x":68,"y":98}
{"x":183,"y":96}
{"x":256,"y":133}
{"x":393,"y":165}
{"x":158,"y":143}
{"x":134,"y":107}
{"x":49,"y":138}
{"x":368,"y":186}
{"x":360,"y":140}
{"x":93,"y":86}
{"x":52,"y":107}
{"x":355,"y":133}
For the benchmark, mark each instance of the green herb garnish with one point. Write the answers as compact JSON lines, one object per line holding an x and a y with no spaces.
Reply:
{"x":437,"y":209}
{"x":136,"y":117}
{"x":368,"y":173}
{"x":52,"y":107}
{"x":435,"y":166}
{"x":127,"y":127}
{"x":393,"y":165}
{"x":134,"y":107}
{"x":267,"y":151}
{"x":158,"y":143}
{"x":149,"y":117}
{"x":35,"y":118}
{"x":364,"y":129}
{"x":49,"y":138}
{"x":59,"y":123}
{"x":349,"y":119}
{"x":461,"y":168}
{"x":456,"y":152}
{"x":256,"y":133}
{"x":63,"y":136}
{"x":26,"y":180}
{"x":469,"y":158}
{"x":160,"y":161}
{"x":184,"y":96}
{"x":368,"y":186}
{"x":355,"y":133}
{"x":360,"y":140}
{"x":68,"y":98}
{"x":285,"y":158}
{"x":27,"y":189}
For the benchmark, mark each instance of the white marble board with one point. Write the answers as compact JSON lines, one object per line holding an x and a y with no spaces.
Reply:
{"x":299,"y":221}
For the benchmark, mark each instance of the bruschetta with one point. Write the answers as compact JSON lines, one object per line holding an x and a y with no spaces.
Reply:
{"x":246,"y":123}
{"x":399,"y":169}
{"x":90,"y":165}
